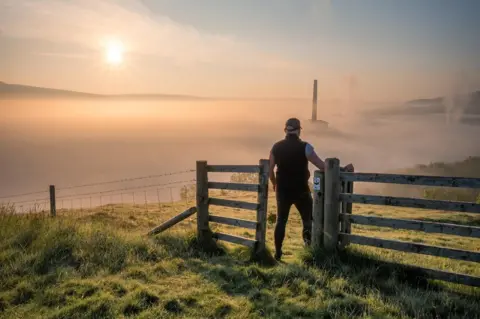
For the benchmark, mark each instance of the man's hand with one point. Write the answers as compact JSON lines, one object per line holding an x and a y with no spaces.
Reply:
{"x":349,"y":168}
{"x":274,"y":187}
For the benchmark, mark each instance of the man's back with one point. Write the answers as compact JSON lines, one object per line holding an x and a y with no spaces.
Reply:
{"x":292,"y":164}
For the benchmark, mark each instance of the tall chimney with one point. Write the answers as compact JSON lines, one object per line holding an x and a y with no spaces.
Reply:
{"x":314,"y":103}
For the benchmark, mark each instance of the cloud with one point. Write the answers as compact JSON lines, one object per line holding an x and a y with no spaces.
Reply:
{"x":92,"y":23}
{"x":63,"y":55}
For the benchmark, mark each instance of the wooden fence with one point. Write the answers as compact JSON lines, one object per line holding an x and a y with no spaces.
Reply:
{"x":332,"y":217}
{"x":204,"y":201}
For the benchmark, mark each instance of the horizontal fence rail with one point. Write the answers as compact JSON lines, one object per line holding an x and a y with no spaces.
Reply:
{"x":232,"y":203}
{"x":411,"y":202}
{"x":235,"y":239}
{"x":233,"y":222}
{"x":425,"y":226}
{"x":234,"y":186}
{"x":233,"y":168}
{"x":422,"y":180}
{"x":413,"y":247}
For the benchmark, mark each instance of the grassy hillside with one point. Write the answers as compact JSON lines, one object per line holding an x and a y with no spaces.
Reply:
{"x":100,"y":264}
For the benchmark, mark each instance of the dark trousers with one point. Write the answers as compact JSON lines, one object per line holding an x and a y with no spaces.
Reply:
{"x":303,"y":202}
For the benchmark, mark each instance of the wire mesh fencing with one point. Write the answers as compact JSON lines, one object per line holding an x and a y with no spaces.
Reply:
{"x":150,"y":193}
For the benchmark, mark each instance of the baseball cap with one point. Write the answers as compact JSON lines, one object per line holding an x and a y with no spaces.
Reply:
{"x":293,"y":124}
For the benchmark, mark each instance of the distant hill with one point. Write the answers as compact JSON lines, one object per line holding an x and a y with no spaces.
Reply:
{"x":425,"y":102}
{"x":466,"y":106}
{"x":469,"y":103}
{"x":473,"y":107}
{"x":17,"y":91}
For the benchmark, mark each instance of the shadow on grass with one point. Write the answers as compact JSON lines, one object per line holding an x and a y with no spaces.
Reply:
{"x":349,"y":284}
{"x":276,"y":290}
{"x":356,"y":262}
{"x":390,"y":279}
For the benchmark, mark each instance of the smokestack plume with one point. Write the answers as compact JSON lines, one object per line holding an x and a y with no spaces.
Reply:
{"x":314,"y":103}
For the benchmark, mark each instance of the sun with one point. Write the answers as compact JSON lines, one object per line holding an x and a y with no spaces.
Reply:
{"x":114,"y":53}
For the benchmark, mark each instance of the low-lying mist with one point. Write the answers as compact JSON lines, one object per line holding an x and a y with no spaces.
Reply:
{"x":65,"y":142}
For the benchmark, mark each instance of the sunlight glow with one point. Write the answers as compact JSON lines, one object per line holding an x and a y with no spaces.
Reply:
{"x":114,"y":53}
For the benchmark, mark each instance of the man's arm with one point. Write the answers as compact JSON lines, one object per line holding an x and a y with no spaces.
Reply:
{"x":313,"y":158}
{"x":272,"y":171}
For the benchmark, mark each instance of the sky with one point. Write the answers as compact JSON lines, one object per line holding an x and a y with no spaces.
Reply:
{"x":372,"y":50}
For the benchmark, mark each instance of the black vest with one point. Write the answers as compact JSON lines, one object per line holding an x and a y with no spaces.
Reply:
{"x":292,"y":164}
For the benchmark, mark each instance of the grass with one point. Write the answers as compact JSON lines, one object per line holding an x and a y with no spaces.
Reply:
{"x":99,"y":264}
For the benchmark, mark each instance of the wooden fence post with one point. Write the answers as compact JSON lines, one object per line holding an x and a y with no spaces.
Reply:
{"x":332,"y":204}
{"x":343,"y":210}
{"x":347,"y":210}
{"x":318,"y":206}
{"x":261,"y":231}
{"x":53,"y":205}
{"x":203,"y":229}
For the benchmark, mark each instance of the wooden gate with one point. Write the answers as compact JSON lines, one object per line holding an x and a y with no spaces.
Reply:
{"x":332,"y":216}
{"x":204,"y":201}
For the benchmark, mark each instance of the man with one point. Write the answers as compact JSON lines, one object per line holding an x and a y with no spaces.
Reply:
{"x":291,"y":156}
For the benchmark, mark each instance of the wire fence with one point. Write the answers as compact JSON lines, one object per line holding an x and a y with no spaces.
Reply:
{"x":143,"y":191}
{"x":151,"y":192}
